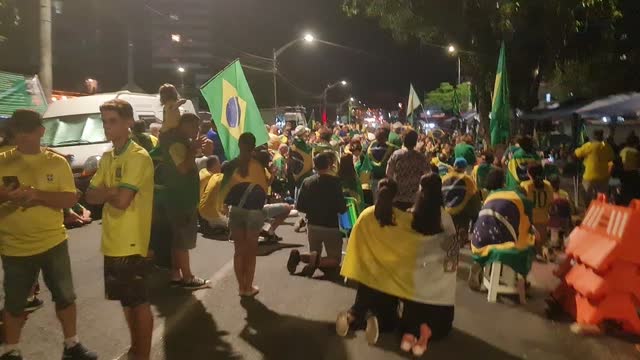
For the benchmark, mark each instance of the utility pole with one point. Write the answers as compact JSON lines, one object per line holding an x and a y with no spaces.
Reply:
{"x":46,"y":61}
{"x":275,"y":83}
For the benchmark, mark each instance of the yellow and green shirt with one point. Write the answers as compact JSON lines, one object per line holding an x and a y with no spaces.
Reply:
{"x":126,"y":232}
{"x":596,"y":155}
{"x":33,"y":230}
{"x":541,"y":199}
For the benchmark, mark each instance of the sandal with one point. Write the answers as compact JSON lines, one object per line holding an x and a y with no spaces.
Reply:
{"x":254,"y":291}
{"x":343,"y":323}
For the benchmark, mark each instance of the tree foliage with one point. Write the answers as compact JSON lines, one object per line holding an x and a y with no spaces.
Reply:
{"x":443,"y":97}
{"x":539,"y":34}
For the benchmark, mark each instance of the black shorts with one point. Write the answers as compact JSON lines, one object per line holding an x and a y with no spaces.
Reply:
{"x":125,"y":279}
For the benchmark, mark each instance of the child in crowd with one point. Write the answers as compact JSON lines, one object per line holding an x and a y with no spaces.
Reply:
{"x":560,"y":222}
{"x":171,"y":103}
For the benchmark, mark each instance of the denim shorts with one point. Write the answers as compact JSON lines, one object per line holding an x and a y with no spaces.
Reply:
{"x":21,"y":272}
{"x":244,"y":219}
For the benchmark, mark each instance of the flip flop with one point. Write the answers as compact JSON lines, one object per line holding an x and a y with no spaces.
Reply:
{"x":251,"y":294}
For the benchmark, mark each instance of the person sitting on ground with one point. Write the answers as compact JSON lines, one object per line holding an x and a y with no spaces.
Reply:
{"x":540,"y":194}
{"x":139,"y":136}
{"x":427,"y":237}
{"x":212,"y":166}
{"x":321,"y":200}
{"x":213,"y":219}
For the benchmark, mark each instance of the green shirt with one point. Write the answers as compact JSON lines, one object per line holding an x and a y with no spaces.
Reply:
{"x":180,"y":191}
{"x":466,"y":151}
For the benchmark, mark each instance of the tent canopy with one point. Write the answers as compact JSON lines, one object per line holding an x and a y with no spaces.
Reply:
{"x":625,"y":105}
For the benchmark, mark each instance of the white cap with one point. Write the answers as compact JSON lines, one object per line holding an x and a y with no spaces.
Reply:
{"x":397,"y":125}
{"x":300,"y":130}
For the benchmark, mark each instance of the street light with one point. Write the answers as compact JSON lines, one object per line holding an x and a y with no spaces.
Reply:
{"x":181,"y":71}
{"x":324,"y":97}
{"x":308,"y":38}
{"x":453,"y":51}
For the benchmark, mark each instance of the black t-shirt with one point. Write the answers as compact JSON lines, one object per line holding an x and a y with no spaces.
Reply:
{"x":321,"y":200}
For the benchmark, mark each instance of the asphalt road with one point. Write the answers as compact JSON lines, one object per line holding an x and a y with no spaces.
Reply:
{"x":293,"y":317}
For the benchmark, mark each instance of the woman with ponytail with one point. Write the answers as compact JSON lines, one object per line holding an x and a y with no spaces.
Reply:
{"x":418,"y":255}
{"x":540,"y":193}
{"x":244,"y":190}
{"x":373,"y":306}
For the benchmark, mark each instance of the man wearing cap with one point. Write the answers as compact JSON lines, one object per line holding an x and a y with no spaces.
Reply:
{"x":37,"y":185}
{"x":461,"y":198}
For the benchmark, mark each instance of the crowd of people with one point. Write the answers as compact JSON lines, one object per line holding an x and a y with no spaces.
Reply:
{"x":416,"y":200}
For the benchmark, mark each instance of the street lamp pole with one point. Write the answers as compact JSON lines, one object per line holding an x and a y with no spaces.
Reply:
{"x":308,"y":38}
{"x":324,"y":98}
{"x":459,"y":71}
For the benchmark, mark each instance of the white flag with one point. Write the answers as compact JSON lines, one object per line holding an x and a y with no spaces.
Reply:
{"x":414,"y":101}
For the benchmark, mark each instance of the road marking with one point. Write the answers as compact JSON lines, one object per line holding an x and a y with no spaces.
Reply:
{"x":159,"y":330}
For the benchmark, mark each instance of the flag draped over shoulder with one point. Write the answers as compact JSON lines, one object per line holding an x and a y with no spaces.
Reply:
{"x":233,"y":108}
{"x":503,"y":231}
{"x":500,"y":108}
{"x":407,"y":269}
{"x":300,"y":161}
{"x":414,"y":101}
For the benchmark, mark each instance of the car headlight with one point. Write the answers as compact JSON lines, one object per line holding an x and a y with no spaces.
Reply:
{"x":91,"y":165}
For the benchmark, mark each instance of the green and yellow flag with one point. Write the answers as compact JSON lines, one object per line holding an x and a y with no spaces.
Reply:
{"x":233,"y":108}
{"x":500,"y":109}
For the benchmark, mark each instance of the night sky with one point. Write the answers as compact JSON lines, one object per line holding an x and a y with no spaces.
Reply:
{"x":379,"y":77}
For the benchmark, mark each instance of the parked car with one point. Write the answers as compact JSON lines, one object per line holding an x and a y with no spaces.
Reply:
{"x":74,"y":128}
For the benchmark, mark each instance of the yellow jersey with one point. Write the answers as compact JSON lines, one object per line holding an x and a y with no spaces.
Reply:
{"x":542,"y":200}
{"x":204,"y":175}
{"x":630,"y":158}
{"x":33,"y":230}
{"x":126,"y":232}
{"x":596,"y":155}
{"x":209,"y":207}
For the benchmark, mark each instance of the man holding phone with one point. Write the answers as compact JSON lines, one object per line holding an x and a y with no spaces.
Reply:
{"x":36,"y":185}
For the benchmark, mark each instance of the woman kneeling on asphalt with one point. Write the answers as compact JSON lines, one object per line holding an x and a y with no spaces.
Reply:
{"x":410,"y":257}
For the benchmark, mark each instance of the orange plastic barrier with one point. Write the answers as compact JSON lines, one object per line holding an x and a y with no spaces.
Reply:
{"x":601,"y":277}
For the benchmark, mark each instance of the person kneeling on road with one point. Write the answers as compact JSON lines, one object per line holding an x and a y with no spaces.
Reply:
{"x":321,"y":200}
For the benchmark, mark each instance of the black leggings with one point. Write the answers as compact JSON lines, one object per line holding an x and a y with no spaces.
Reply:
{"x":374,"y":302}
{"x":438,"y":317}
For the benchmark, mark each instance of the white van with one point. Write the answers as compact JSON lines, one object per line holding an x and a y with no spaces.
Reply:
{"x":74,"y":126}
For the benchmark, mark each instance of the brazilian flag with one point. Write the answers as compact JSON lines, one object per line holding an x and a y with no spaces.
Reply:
{"x":518,"y":167}
{"x":300,"y":161}
{"x":233,"y":108}
{"x":503,"y":232}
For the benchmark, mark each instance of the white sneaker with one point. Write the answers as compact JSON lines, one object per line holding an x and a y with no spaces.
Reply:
{"x":372,"y":331}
